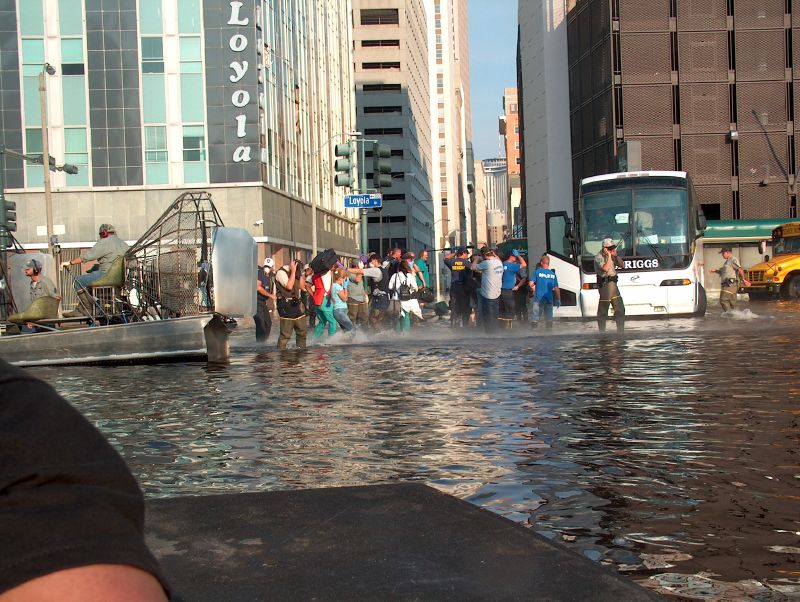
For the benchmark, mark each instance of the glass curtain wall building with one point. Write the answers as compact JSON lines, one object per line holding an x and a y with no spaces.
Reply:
{"x":153,"y":97}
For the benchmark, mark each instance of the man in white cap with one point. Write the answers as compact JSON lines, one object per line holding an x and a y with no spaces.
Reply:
{"x":265,"y":285}
{"x":606,"y":263}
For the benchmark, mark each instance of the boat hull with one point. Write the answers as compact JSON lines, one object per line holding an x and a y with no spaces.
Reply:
{"x":202,"y":337}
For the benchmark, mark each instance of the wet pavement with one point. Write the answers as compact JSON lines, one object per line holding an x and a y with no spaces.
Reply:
{"x":670,"y":454}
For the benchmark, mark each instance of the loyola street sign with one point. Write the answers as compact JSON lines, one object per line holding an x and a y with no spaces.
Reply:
{"x":363,"y":201}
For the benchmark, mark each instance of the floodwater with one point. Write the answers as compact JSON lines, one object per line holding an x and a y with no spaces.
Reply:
{"x":670,"y":454}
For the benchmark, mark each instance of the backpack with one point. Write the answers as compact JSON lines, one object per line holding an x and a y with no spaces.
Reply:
{"x":324,"y":261}
{"x":404,"y":290}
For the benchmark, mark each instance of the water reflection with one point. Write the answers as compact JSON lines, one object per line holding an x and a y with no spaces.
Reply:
{"x":670,"y":454}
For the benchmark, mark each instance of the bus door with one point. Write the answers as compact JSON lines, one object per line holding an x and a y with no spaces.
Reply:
{"x":564,"y":260}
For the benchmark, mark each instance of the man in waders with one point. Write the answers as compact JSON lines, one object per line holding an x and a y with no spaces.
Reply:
{"x":606,"y":263}
{"x":289,"y":284}
{"x":729,"y":274}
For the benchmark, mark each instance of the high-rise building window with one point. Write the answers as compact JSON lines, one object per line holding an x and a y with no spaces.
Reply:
{"x":152,"y":55}
{"x":191,"y":80}
{"x":516,"y":129}
{"x":33,"y":146}
{"x":379,"y":43}
{"x":72,"y":56}
{"x":381,"y":88}
{"x":189,"y":16}
{"x":150,"y":17}
{"x":389,"y":109}
{"x":155,"y":154}
{"x":76,"y":152}
{"x":380,"y":16}
{"x":70,"y":17}
{"x":381,"y":65}
{"x":31,"y":18}
{"x":194,"y":154}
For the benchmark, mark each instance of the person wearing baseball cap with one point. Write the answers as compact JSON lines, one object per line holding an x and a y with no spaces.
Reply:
{"x":41,"y":285}
{"x":461,"y":286}
{"x":105,"y":251}
{"x":730,"y":274}
{"x":606,"y":263}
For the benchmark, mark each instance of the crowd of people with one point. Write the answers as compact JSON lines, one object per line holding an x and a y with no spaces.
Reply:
{"x":379,"y":293}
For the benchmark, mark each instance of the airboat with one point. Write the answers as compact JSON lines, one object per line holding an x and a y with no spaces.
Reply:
{"x":171,"y":297}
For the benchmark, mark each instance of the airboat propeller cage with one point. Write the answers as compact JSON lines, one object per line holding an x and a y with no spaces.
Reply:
{"x":234,"y":257}
{"x":189,"y":263}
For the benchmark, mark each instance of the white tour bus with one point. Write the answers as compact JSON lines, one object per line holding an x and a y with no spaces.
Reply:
{"x":656,"y":221}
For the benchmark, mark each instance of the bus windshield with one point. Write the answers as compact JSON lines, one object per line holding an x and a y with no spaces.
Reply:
{"x":648,"y":222}
{"x":785,"y":246}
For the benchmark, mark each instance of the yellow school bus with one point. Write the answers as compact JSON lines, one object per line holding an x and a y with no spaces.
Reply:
{"x":779,"y":274}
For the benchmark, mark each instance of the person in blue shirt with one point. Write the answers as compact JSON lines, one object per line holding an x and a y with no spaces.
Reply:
{"x":544,"y":284}
{"x":511,"y":266}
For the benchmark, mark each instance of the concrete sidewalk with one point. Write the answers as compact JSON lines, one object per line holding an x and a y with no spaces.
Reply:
{"x":384,"y":542}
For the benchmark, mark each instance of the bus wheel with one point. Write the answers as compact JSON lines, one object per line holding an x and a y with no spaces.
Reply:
{"x":702,"y":301}
{"x":791,"y":288}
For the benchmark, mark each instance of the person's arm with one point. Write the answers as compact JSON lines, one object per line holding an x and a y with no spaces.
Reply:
{"x":92,"y":583}
{"x":292,"y":275}
{"x":373,"y":273}
{"x":742,"y":274}
{"x":556,"y":296}
{"x":260,"y":288}
{"x":609,"y":261}
{"x":342,"y":292}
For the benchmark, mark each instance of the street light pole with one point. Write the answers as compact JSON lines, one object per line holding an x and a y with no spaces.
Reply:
{"x":48,"y":197}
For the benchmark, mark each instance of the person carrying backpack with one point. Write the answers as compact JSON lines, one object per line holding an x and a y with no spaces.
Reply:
{"x":403,"y":289}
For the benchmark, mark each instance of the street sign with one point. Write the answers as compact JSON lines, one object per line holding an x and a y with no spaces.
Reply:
{"x":363,"y":201}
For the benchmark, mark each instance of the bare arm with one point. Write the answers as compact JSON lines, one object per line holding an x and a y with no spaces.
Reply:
{"x":92,"y":583}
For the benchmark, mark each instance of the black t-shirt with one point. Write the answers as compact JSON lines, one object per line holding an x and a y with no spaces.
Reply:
{"x":268,"y":282}
{"x":67,"y":498}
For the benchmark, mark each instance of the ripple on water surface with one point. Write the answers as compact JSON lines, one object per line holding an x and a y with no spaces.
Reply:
{"x":670,"y":455}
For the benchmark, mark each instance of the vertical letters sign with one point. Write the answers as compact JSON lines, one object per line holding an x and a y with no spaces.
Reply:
{"x":240,"y":98}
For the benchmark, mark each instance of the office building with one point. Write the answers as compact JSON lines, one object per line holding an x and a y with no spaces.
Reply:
{"x":154,"y":97}
{"x":709,"y":88}
{"x":510,"y":135}
{"x":393,"y":106}
{"x":453,"y":129}
{"x":544,"y":96}
{"x":481,"y":210}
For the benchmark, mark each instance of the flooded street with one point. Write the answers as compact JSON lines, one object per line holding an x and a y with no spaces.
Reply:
{"x":670,"y":455}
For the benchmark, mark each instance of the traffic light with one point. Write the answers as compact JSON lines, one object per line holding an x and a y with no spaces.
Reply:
{"x":381,"y":166}
{"x":343,"y":166}
{"x":8,"y":215}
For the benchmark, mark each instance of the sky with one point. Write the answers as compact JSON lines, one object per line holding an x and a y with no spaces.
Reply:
{"x":493,"y":51}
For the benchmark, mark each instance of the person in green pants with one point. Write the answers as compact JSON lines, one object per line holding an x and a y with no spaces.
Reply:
{"x":322,"y":300}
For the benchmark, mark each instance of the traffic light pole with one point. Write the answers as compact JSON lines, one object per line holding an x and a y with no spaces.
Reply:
{"x":362,"y":167}
{"x":361,"y":178}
